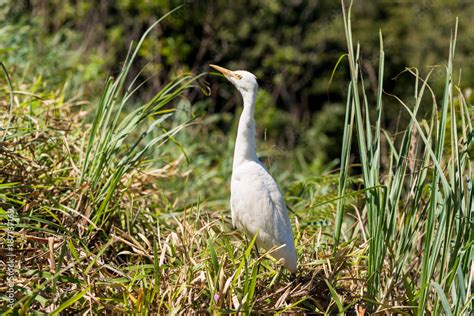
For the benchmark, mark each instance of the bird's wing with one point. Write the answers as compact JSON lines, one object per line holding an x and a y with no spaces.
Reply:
{"x":258,"y":205}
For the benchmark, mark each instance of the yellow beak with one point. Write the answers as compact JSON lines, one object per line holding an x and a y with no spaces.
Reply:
{"x":224,"y":71}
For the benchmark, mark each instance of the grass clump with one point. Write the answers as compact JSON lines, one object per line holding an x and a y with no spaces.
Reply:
{"x":106,"y":159}
{"x":421,"y":206}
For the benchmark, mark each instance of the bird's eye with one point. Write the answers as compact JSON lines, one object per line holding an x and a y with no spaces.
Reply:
{"x":238,"y":76}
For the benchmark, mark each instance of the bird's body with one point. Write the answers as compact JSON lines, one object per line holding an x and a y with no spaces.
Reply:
{"x":257,"y":204}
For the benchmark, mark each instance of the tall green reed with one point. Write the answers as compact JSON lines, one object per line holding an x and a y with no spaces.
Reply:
{"x":422,"y":206}
{"x":112,"y":149}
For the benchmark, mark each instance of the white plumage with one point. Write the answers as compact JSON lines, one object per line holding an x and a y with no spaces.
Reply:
{"x":257,"y":204}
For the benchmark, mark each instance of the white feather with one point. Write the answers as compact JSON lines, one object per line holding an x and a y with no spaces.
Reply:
{"x":258,"y":206}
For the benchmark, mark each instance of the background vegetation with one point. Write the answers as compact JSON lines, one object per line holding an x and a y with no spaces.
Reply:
{"x":292,"y":48}
{"x":121,"y":194}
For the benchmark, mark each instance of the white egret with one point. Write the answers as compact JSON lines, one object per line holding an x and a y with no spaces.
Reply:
{"x":257,"y":204}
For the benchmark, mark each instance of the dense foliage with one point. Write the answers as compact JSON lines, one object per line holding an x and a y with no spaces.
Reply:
{"x":292,"y":47}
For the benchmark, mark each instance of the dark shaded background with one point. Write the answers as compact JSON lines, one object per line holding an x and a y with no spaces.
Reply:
{"x":292,"y":47}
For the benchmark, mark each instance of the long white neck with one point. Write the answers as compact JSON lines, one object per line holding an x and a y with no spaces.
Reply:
{"x":245,"y":148}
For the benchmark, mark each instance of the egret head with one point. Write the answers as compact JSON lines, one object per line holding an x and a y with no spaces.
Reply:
{"x":243,"y":80}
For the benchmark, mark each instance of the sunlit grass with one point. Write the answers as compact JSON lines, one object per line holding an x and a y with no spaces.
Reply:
{"x":419,"y":212}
